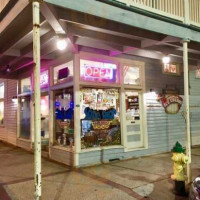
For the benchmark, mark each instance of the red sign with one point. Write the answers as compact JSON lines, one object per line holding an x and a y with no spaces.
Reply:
{"x":98,"y":71}
{"x":172,"y":103}
{"x":95,"y":72}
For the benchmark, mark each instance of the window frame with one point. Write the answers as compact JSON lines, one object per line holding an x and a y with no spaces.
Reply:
{"x":3,"y":100}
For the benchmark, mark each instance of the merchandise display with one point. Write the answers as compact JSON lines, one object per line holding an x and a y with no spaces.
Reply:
{"x":100,"y":124}
{"x":64,"y":117}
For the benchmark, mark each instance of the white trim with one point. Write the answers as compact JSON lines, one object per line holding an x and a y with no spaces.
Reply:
{"x":102,"y":148}
{"x":67,"y":148}
{"x":136,"y":149}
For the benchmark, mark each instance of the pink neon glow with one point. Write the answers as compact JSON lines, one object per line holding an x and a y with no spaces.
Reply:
{"x":92,"y":70}
{"x":44,"y":78}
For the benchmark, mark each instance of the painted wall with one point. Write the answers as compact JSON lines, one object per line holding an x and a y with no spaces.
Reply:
{"x":8,"y":132}
{"x":157,"y":81}
{"x":194,"y":84}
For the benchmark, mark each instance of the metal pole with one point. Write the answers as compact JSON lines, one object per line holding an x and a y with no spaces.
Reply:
{"x":37,"y":109}
{"x":187,"y":109}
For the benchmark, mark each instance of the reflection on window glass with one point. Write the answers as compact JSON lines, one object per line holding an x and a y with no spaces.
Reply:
{"x":1,"y":112}
{"x":132,"y":106}
{"x":64,"y":117}
{"x":132,"y":75}
{"x":63,"y":72}
{"x":100,"y":124}
{"x":2,"y":90}
{"x":25,"y":118}
{"x":45,"y":117}
{"x":26,"y":85}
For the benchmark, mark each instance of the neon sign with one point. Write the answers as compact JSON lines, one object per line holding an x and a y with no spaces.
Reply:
{"x":98,"y":71}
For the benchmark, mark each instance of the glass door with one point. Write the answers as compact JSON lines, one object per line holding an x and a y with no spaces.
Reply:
{"x":134,"y":132}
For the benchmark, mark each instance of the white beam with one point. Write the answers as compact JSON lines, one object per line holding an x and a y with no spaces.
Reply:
{"x":14,"y":12}
{"x":37,"y":96}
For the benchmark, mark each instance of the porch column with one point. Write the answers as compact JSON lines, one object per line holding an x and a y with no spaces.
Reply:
{"x":37,"y":108}
{"x":187,"y":108}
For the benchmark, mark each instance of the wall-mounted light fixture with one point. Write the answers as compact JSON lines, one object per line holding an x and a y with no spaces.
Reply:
{"x":61,"y":42}
{"x":14,"y":99}
{"x":8,"y":69}
{"x":166,"y":59}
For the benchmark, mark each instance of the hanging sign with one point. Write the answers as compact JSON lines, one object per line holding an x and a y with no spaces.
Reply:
{"x":172,"y":103}
{"x":98,"y":71}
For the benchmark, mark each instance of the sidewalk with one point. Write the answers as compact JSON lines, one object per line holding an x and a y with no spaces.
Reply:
{"x":145,"y":178}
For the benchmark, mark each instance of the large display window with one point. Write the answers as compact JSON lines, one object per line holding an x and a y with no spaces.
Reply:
{"x":100,"y":122}
{"x":25,"y":117}
{"x":64,"y":118}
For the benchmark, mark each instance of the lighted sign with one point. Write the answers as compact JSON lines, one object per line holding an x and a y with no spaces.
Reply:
{"x":171,"y":103}
{"x":171,"y":69}
{"x":44,"y":79}
{"x":98,"y":71}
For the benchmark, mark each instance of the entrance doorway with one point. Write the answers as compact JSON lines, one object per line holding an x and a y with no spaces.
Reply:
{"x":134,"y":129}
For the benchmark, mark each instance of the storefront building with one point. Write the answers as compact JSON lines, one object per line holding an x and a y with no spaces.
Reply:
{"x":97,"y":108}
{"x":107,"y":97}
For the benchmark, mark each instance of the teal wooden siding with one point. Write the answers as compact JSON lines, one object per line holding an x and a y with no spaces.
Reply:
{"x":194,"y":84}
{"x":163,"y":131}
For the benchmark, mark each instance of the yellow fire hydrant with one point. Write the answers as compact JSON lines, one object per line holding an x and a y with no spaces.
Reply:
{"x":180,"y":160}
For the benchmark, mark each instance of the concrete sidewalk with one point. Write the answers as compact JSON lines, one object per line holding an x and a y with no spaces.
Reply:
{"x":145,"y":178}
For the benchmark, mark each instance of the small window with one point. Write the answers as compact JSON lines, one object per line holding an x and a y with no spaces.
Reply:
{"x":2,"y":104}
{"x":63,"y":73}
{"x":26,"y":85}
{"x":44,"y":79}
{"x":171,"y":69}
{"x":131,"y":75}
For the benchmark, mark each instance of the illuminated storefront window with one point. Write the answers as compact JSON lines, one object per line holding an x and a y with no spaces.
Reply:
{"x":98,"y":71}
{"x":64,"y":117}
{"x":44,"y":79}
{"x":2,"y":104}
{"x":63,"y":73}
{"x":25,"y":117}
{"x":100,"y":124}
{"x":26,"y":85}
{"x":45,"y":117}
{"x":131,"y":75}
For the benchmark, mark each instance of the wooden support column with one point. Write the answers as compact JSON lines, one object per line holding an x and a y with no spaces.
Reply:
{"x":187,"y":109}
{"x":77,"y":124}
{"x":37,"y":95}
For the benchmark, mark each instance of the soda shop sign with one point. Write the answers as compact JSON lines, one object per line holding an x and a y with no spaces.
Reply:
{"x":97,"y":71}
{"x":171,"y":103}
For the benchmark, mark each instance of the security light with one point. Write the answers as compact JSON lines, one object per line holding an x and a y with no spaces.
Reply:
{"x":166,"y":59}
{"x":61,"y":43}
